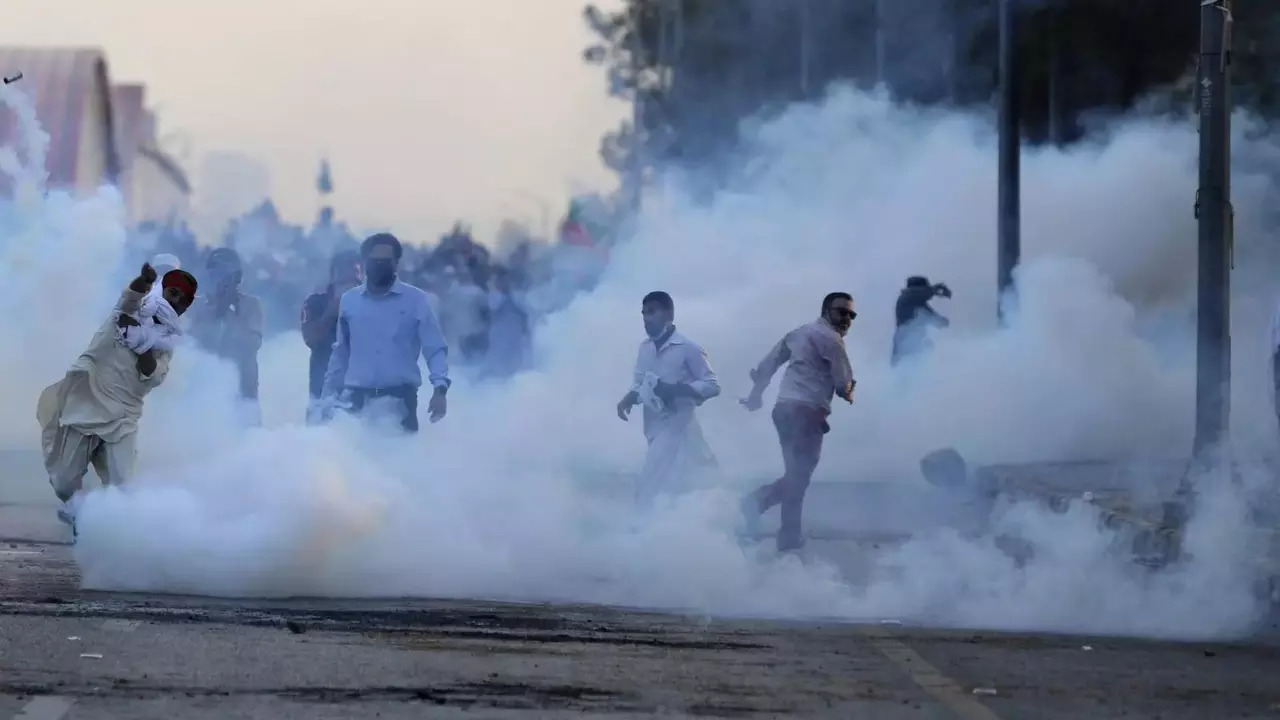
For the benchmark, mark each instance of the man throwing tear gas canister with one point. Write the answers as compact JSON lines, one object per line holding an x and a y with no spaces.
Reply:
{"x":228,"y":324}
{"x":913,"y":317}
{"x":90,"y":417}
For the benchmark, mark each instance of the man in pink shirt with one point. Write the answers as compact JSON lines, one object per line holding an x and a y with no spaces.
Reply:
{"x":817,"y":369}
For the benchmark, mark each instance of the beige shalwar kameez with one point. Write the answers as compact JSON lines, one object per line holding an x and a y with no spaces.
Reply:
{"x":90,"y":417}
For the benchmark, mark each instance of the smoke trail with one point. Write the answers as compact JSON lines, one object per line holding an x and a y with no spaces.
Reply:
{"x":511,"y":497}
{"x":52,"y":250}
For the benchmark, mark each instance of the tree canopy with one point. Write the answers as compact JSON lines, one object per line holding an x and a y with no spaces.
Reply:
{"x":698,"y":67}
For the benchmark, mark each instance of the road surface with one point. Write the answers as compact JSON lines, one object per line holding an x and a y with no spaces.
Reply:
{"x":72,"y":655}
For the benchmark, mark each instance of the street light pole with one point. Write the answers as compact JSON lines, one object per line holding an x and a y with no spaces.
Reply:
{"x":1009,"y":249}
{"x":882,"y":39}
{"x":1214,"y":214}
{"x":805,"y":57}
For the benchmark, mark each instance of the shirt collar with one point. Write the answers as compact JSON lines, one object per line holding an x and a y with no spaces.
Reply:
{"x":396,"y":288}
{"x":824,"y":322}
{"x":675,"y":339}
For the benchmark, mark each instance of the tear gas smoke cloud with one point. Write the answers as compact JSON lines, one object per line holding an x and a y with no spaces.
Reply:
{"x":851,"y":193}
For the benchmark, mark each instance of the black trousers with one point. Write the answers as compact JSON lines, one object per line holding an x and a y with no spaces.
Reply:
{"x":1275,"y":376}
{"x":406,"y":394}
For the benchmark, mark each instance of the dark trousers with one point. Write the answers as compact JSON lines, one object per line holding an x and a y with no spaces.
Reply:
{"x":1275,"y":377}
{"x":406,"y":394}
{"x":800,"y":430}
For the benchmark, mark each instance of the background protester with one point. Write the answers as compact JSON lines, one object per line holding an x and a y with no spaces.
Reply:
{"x":227,"y":323}
{"x":320,"y":323}
{"x":375,"y":359}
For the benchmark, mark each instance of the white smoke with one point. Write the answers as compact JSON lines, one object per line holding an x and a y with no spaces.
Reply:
{"x":516,"y":495}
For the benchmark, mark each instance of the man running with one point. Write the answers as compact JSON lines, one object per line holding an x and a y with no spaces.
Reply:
{"x":913,"y":316}
{"x":817,"y":369}
{"x":672,"y":378}
{"x":90,"y":417}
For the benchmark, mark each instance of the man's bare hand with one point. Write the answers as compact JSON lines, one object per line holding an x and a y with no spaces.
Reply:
{"x":627,"y":402}
{"x":752,"y":402}
{"x":437,"y":407}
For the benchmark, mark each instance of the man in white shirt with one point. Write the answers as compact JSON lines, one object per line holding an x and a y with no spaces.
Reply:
{"x":672,"y":378}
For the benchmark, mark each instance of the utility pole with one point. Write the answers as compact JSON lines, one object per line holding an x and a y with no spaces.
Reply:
{"x":1057,"y":135}
{"x":1214,"y":214}
{"x":1009,"y":249}
{"x":882,"y":76}
{"x":806,"y":57}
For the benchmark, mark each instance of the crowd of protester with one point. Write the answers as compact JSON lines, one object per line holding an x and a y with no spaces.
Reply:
{"x":488,"y":302}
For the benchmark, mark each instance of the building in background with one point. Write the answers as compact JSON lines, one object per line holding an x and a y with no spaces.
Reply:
{"x":97,"y":133}
{"x":154,"y":186}
{"x":72,"y":95}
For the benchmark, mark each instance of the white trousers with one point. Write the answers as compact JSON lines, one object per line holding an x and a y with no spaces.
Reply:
{"x":677,"y":455}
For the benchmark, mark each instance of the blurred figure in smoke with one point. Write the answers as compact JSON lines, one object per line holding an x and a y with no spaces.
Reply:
{"x":672,"y":378}
{"x":1275,"y":358}
{"x":468,"y":307}
{"x":228,"y":323}
{"x":913,"y":317}
{"x":383,"y":326}
{"x":508,"y":346}
{"x":817,"y":369}
{"x":320,"y":324}
{"x":90,"y":417}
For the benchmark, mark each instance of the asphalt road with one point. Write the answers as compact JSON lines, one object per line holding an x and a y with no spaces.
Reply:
{"x":68,"y":654}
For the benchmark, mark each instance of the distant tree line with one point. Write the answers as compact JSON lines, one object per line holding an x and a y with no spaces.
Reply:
{"x":700,"y":66}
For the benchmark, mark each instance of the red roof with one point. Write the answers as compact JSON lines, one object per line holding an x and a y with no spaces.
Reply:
{"x":59,"y":80}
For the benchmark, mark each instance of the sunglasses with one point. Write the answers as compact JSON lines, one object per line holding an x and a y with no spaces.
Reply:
{"x":845,"y":312}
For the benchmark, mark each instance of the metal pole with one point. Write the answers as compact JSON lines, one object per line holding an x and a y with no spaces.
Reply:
{"x":1010,"y":215}
{"x":805,"y":28}
{"x":952,"y":62}
{"x":881,"y":75}
{"x":1214,"y":213}
{"x":1056,"y":135}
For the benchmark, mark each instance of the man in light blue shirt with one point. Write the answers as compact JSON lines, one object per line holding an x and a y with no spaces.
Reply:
{"x":383,"y":326}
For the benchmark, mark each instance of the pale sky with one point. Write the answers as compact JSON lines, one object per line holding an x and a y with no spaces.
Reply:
{"x":430,"y":110}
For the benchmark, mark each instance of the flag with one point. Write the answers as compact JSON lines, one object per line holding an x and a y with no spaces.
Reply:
{"x":324,"y":182}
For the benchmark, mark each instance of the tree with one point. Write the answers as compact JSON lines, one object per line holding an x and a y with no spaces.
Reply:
{"x":698,"y":67}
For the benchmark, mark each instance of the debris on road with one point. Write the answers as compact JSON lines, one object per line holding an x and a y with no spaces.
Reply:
{"x":91,"y":656}
{"x":73,"y":638}
{"x":1087,"y":648}
{"x":984,"y":691}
